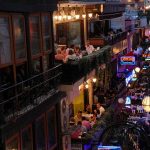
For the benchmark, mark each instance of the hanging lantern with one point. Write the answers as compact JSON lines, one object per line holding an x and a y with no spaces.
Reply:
{"x":146,"y":103}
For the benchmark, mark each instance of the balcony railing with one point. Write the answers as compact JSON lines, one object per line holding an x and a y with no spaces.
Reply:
{"x":108,"y":40}
{"x":116,"y":38}
{"x":75,"y":70}
{"x":22,"y":97}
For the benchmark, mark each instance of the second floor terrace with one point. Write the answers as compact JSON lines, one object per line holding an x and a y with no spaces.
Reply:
{"x":74,"y":70}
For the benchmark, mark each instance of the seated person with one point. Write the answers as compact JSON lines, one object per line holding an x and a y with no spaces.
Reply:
{"x":86,"y":123}
{"x":70,"y":56}
{"x":81,"y":126}
{"x":78,"y":117}
{"x":59,"y":55}
{"x":93,"y":119}
{"x":88,"y":109}
{"x":77,"y":52}
{"x":100,"y":108}
{"x":63,"y":51}
{"x":89,"y":48}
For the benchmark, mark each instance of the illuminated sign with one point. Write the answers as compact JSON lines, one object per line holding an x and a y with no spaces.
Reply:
{"x":127,"y":60}
{"x":128,"y":79}
{"x":128,"y":100}
{"x":109,"y":148}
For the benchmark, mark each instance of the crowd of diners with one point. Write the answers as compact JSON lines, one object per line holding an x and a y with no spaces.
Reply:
{"x":64,"y":54}
{"x":83,"y":121}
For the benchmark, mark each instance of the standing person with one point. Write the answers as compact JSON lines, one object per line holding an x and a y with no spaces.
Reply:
{"x":100,"y":108}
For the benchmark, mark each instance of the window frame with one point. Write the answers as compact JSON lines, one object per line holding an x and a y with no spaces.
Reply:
{"x":19,"y":60}
{"x":28,"y":126}
{"x":66,"y":24}
{"x":11,"y":139}
{"x":46,"y":52}
{"x":47,"y":131}
{"x":11,"y":41}
{"x":33,"y":56}
{"x":42,"y":116}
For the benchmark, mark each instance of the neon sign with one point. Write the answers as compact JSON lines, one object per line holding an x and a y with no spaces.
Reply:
{"x":127,"y":60}
{"x":128,"y":79}
{"x":109,"y":148}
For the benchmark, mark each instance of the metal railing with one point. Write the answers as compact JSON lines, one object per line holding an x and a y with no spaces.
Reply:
{"x":23,"y":96}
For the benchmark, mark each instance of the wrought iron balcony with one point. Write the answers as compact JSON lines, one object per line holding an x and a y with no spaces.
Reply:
{"x":24,"y":96}
{"x":76,"y":69}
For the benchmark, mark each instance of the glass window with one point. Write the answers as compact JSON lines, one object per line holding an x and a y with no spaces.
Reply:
{"x":40,"y":134}
{"x":26,"y":139}
{"x":36,"y":65}
{"x":74,"y":34}
{"x":61,"y":33}
{"x":95,"y":29}
{"x":5,"y":48}
{"x":52,"y":127}
{"x":46,"y":33}
{"x":19,"y":33}
{"x":13,"y":144}
{"x":34,"y":34}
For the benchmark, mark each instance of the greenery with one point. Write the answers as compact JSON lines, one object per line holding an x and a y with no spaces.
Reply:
{"x":76,"y":69}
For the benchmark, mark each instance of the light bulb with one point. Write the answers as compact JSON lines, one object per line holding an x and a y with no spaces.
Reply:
{"x":86,"y":86}
{"x":69,"y":17}
{"x":90,"y":15}
{"x":94,"y":80}
{"x":60,"y":18}
{"x":77,"y":16}
{"x":64,"y":17}
{"x":137,"y":69}
{"x":55,"y":17}
{"x":83,"y":15}
{"x":129,"y":85}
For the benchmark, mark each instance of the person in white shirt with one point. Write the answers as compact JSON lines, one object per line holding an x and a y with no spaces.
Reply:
{"x":100,"y":108}
{"x":89,"y":48}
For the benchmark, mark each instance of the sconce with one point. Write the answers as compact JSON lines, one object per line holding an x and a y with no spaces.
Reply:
{"x":94,"y":80}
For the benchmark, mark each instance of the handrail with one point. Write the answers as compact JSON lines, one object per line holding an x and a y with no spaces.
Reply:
{"x":34,"y":77}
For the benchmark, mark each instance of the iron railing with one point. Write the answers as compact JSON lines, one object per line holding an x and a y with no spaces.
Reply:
{"x":23,"y":96}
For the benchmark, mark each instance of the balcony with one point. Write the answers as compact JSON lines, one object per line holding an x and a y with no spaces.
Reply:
{"x":108,"y":40}
{"x":20,"y":98}
{"x":75,"y":70}
{"x":116,"y":38}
